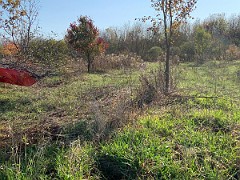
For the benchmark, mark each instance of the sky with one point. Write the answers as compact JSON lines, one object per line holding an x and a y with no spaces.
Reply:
{"x":56,"y":15}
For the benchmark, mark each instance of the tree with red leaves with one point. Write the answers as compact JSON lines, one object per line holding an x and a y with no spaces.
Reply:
{"x":84,"y":38}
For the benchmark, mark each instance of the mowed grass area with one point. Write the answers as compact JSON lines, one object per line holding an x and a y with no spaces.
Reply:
{"x":197,"y":136}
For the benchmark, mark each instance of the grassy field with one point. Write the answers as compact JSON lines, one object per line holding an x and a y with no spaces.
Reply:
{"x":86,"y":126}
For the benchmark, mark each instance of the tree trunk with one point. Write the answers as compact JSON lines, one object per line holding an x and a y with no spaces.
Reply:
{"x":168,"y":38}
{"x":89,"y":63}
{"x":88,"y":67}
{"x":167,"y":70}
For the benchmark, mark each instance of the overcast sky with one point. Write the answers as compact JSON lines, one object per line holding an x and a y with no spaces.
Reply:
{"x":56,"y":15}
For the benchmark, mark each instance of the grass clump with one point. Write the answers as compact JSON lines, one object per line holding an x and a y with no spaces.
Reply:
{"x":74,"y":161}
{"x":33,"y":162}
{"x":137,"y":153}
{"x":78,"y":162}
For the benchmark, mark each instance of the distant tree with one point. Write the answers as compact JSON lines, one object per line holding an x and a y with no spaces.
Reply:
{"x":84,"y":38}
{"x":234,"y":29}
{"x":217,"y":26}
{"x":131,"y":39}
{"x":136,"y":39}
{"x":112,"y":37}
{"x":202,"y":42}
{"x":170,"y":13}
{"x":187,"y":51}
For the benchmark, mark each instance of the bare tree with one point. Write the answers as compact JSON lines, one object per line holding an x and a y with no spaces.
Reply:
{"x":19,"y":22}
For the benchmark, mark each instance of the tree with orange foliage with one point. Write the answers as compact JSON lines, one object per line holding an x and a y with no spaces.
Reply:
{"x":9,"y":49}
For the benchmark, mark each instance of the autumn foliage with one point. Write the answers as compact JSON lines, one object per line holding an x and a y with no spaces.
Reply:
{"x":9,"y":49}
{"x":84,"y":38}
{"x":233,"y":52}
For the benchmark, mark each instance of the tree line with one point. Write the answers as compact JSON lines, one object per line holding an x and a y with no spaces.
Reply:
{"x":216,"y":37}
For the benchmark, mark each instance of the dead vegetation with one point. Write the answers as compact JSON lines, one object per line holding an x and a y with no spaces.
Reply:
{"x":104,"y":63}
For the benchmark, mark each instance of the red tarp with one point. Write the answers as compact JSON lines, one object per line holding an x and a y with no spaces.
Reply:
{"x":17,"y":77}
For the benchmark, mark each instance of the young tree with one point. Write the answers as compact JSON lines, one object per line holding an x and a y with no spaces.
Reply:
{"x":171,"y":14}
{"x":84,"y":38}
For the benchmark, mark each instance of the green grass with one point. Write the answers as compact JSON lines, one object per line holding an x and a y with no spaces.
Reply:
{"x":213,"y":78}
{"x":196,"y":137}
{"x":164,"y":149}
{"x":184,"y":143}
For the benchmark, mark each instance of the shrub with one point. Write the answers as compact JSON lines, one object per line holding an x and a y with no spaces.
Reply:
{"x":77,"y":162}
{"x":154,"y":53}
{"x":175,"y":51}
{"x":113,"y":61}
{"x":49,"y":52}
{"x":233,"y":52}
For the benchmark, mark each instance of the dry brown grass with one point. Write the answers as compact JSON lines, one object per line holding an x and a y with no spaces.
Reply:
{"x":113,"y":61}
